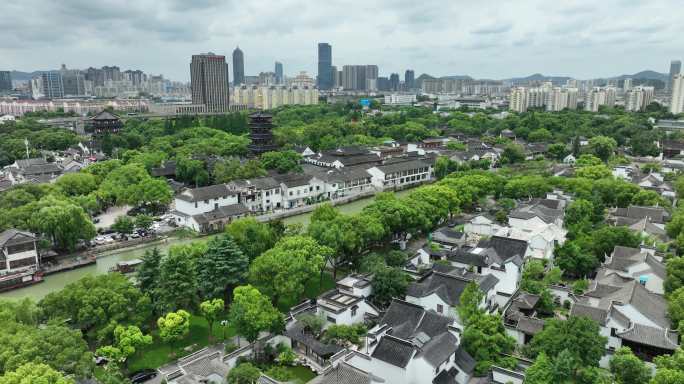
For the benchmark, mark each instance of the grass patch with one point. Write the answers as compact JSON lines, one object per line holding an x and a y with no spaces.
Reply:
{"x":301,"y":374}
{"x":311,"y":290}
{"x":159,"y":352}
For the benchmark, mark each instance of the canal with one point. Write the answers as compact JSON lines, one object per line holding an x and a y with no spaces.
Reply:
{"x":105,"y":261}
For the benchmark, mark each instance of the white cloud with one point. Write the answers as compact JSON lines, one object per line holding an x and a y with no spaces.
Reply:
{"x":488,"y":38}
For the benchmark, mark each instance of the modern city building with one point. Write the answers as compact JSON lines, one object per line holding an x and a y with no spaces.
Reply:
{"x":325,"y":75}
{"x":74,"y":82}
{"x":675,"y":69}
{"x":47,"y":85}
{"x":394,"y":81}
{"x":238,"y":67}
{"x":552,"y":98}
{"x":677,"y":103}
{"x":269,"y":97}
{"x":268,"y":78}
{"x":209,"y":82}
{"x":638,"y":98}
{"x":280,"y":79}
{"x":626,"y":84}
{"x":5,"y":81}
{"x":410,"y":79}
{"x":599,"y":96}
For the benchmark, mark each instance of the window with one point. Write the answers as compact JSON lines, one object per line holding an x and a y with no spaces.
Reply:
{"x":310,"y":189}
{"x":353,"y":310}
{"x":331,"y":319}
{"x":206,"y":201}
{"x":290,"y":193}
{"x":268,"y":193}
{"x":440,"y":308}
{"x":318,"y":187}
{"x":195,"y":204}
{"x":215,"y":205}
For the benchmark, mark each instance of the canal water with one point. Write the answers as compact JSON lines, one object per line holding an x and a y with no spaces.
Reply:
{"x":105,"y":261}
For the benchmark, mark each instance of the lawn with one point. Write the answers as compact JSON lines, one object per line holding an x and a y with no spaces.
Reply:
{"x":160,"y":352}
{"x":311,"y":290}
{"x":301,"y":374}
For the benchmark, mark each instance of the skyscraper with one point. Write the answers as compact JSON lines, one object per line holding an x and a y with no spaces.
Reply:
{"x":5,"y":81}
{"x":410,"y":79}
{"x":677,"y":103}
{"x":209,"y":81}
{"x":675,"y":68}
{"x":394,"y":81}
{"x":279,"y":73}
{"x":238,"y":67}
{"x":325,"y":78}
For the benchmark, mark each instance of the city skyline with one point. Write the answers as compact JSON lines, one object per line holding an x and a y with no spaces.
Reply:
{"x":437,"y":37}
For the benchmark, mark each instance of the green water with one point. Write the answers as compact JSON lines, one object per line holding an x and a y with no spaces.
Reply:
{"x":57,"y":281}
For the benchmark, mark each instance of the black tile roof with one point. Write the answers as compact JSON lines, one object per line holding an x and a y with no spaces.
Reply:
{"x":394,"y":350}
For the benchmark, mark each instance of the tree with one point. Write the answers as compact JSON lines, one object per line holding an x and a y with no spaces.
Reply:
{"x":211,"y":309}
{"x":603,"y":147}
{"x":285,"y":269}
{"x":513,"y":153}
{"x":573,"y":260}
{"x":389,"y":283}
{"x":244,"y":373}
{"x":342,"y":334}
{"x":177,"y":281}
{"x":124,"y":225}
{"x":486,"y":341}
{"x":669,"y":368}
{"x":34,"y":373}
{"x":148,"y":272}
{"x":77,"y":183}
{"x":627,"y":368}
{"x":126,"y":341}
{"x":222,"y":268}
{"x":587,"y":160}
{"x":675,"y":308}
{"x":539,"y":135}
{"x":578,"y":335}
{"x":602,"y":241}
{"x":282,"y":161}
{"x":253,"y":237}
{"x":96,"y":304}
{"x":541,"y":372}
{"x":64,"y":223}
{"x":191,"y":171}
{"x":174,"y":326}
{"x":471,"y":298}
{"x":144,"y":222}
{"x":579,"y":215}
{"x":674,"y":271}
{"x":558,"y":151}
{"x":59,"y":347}
{"x":594,"y":172}
{"x":251,"y":313}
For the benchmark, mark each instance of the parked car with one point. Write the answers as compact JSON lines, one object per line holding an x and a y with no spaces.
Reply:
{"x":142,"y":376}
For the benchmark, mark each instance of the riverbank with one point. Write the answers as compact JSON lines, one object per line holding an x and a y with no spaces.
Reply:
{"x":107,"y":259}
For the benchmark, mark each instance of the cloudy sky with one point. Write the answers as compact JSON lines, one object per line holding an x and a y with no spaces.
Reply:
{"x":481,"y":38}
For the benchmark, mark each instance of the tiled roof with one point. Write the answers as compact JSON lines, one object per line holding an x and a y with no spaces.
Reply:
{"x":439,"y":349}
{"x":344,"y":373}
{"x":448,"y":287}
{"x":220,"y":213}
{"x":597,"y":314}
{"x":14,"y":236}
{"x":394,"y":351}
{"x":297,"y":332}
{"x":546,"y":214}
{"x":660,"y":338}
{"x":205,"y":193}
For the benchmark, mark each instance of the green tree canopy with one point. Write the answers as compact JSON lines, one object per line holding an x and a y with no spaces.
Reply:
{"x":251,"y":313}
{"x":222,"y":268}
{"x":34,"y":373}
{"x":174,"y":326}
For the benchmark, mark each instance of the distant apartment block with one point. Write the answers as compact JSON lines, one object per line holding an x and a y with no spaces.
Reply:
{"x":599,"y":96}
{"x":638,"y":98}
{"x":677,"y":103}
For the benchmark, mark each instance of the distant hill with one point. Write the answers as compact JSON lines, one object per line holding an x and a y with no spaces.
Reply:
{"x":24,"y":76}
{"x":646,"y":75}
{"x":538,"y":77}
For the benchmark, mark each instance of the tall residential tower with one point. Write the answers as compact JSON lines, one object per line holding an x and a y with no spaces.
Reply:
{"x":280,"y":79}
{"x":675,"y":69}
{"x":209,"y":82}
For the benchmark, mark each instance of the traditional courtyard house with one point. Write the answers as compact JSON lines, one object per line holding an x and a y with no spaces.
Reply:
{"x":35,"y":170}
{"x":641,"y":264}
{"x":629,"y":315}
{"x":521,"y":318}
{"x":347,"y":181}
{"x":400,"y":173}
{"x":672,"y":148}
{"x":484,"y":225}
{"x":634,"y":213}
{"x":19,"y":260}
{"x":499,"y":256}
{"x":656,"y":182}
{"x":441,"y":292}
{"x":208,"y":209}
{"x":261,"y":194}
{"x":414,"y":346}
{"x":344,"y":157}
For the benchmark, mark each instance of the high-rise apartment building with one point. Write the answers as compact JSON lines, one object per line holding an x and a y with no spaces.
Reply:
{"x":517,"y":99}
{"x":238,"y":67}
{"x":279,"y":78}
{"x":552,"y":98}
{"x":268,"y":78}
{"x":675,"y":69}
{"x":136,"y":77}
{"x":559,"y":99}
{"x":209,"y":82}
{"x":325,"y":75}
{"x":599,"y":96}
{"x":5,"y":81}
{"x":677,"y":102}
{"x":50,"y":85}
{"x":626,"y":84}
{"x":638,"y":98}
{"x":410,"y":79}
